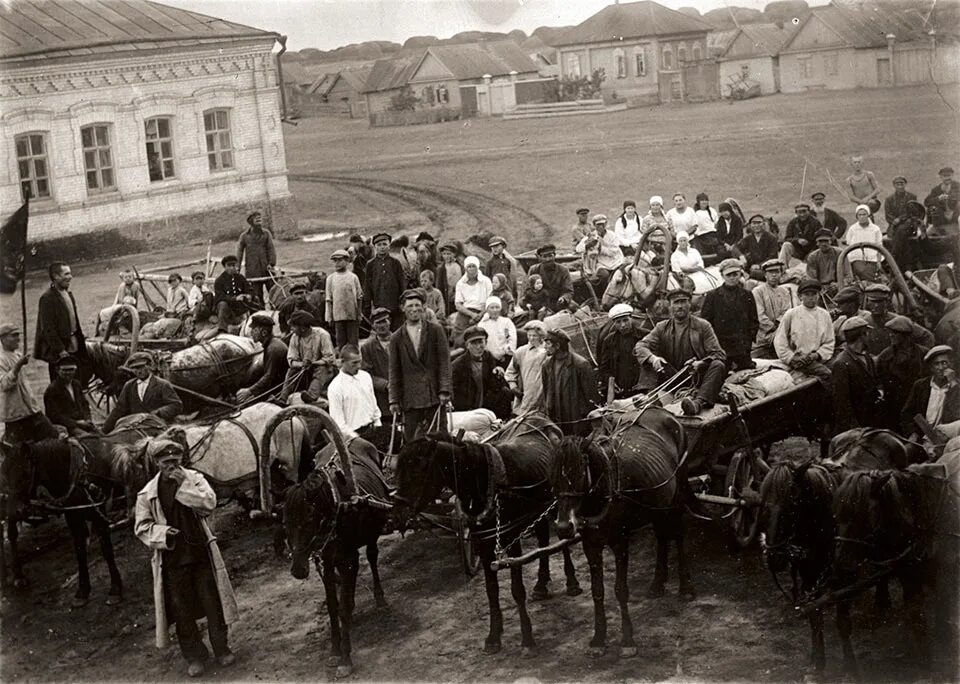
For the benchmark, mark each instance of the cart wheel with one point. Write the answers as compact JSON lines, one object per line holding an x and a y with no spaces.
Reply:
{"x":101,"y":403}
{"x":468,"y":554}
{"x":741,"y":477}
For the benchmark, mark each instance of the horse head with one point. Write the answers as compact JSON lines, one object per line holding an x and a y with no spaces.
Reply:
{"x":106,"y":364}
{"x":419,"y":475}
{"x":581,"y":483}
{"x":309,"y":519}
{"x":779,"y":510}
{"x":130,"y":462}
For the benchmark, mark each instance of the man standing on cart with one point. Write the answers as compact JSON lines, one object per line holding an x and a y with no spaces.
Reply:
{"x":256,"y":245}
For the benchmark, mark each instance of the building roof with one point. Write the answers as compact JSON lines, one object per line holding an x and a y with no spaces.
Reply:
{"x":295,"y":74}
{"x":388,"y":74}
{"x":475,"y":60}
{"x":766,"y":39}
{"x":719,"y":41}
{"x":864,"y":24}
{"x":356,"y":78}
{"x":632,"y":20}
{"x":33,"y":28}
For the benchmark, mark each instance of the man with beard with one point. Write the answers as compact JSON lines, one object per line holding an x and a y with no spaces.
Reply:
{"x":831,"y":220}
{"x":906,"y":232}
{"x":274,"y":360}
{"x":801,"y":234}
{"x":732,"y":313}
{"x":569,"y":385}
{"x":686,"y":340}
{"x":942,"y":202}
{"x":848,"y":303}
{"x":773,"y":300}
{"x":296,"y":300}
{"x":854,"y":382}
{"x":556,"y":278}
{"x":899,"y":366}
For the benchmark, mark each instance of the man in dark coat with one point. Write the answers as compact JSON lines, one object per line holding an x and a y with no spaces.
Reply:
{"x":385,"y":280}
{"x":895,"y":205}
{"x":831,"y":220}
{"x":477,"y":379}
{"x":907,"y":232}
{"x":619,"y":371}
{"x":569,"y":385}
{"x":375,"y":355}
{"x":419,"y":367}
{"x":232,"y":295}
{"x":274,"y":369}
{"x":732,"y":312}
{"x":877,"y":303}
{"x":557,"y":282}
{"x":145,"y":393}
{"x":685,"y":339}
{"x":935,"y":397}
{"x":297,"y":300}
{"x":898,"y":367}
{"x":758,"y":245}
{"x":822,"y":263}
{"x":256,"y":244}
{"x":854,"y":381}
{"x":64,"y":401}
{"x":58,"y":324}
{"x":943,"y":201}
{"x":801,"y":234}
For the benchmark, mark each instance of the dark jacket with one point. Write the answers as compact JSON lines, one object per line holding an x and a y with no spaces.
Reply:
{"x":53,"y":327}
{"x":615,"y":357}
{"x":160,"y":399}
{"x":732,"y":311}
{"x":274,"y":368}
{"x":897,"y":371}
{"x":730,"y":232}
{"x":834,"y":222}
{"x":259,"y":250}
{"x":441,"y":284}
{"x":757,"y":251}
{"x":943,"y":212}
{"x":917,"y":402}
{"x":61,"y":408}
{"x":569,"y":388}
{"x":297,"y":302}
{"x":878,"y":335}
{"x":228,"y":286}
{"x":856,"y":401}
{"x":667,"y":336}
{"x":385,"y":282}
{"x":806,"y":229}
{"x":895,"y":206}
{"x":557,"y":283}
{"x":376,"y":361}
{"x":418,"y":376}
{"x":466,"y":392}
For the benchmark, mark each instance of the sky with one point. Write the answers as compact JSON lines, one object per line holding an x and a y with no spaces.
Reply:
{"x":327,"y":24}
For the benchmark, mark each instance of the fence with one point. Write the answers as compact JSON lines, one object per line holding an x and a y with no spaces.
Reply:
{"x":411,"y":118}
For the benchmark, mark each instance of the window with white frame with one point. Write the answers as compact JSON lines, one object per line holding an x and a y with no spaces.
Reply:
{"x":159,"y":134}
{"x":620,"y":60}
{"x":216,"y":125}
{"x":573,"y":66}
{"x":640,"y":60}
{"x":667,"y":58}
{"x":443,"y":95}
{"x":98,"y":158}
{"x":32,"y":165}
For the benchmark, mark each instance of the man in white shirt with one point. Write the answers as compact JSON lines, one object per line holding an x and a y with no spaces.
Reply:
{"x":804,"y":339}
{"x":21,"y":411}
{"x":936,"y":397}
{"x":353,"y":403}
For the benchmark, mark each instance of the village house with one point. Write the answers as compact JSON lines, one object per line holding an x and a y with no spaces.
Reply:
{"x":649,"y":53}
{"x":344,"y":90}
{"x":753,"y":56}
{"x":863,"y":45}
{"x":134,"y":122}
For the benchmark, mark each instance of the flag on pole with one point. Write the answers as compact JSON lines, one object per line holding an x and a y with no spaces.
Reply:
{"x":13,"y":249}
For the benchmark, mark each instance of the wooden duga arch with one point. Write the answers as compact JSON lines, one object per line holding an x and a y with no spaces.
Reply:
{"x":134,"y":325}
{"x":667,"y":249}
{"x":266,"y":498}
{"x":843,"y":270}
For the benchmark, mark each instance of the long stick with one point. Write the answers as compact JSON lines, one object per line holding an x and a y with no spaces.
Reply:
{"x":206,"y":266}
{"x":803,"y":181}
{"x":503,"y":563}
{"x":23,"y":307}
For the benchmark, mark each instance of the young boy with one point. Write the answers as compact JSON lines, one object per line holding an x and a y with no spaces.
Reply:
{"x":177,"y":297}
{"x":199,"y":288}
{"x":434,"y":297}
{"x":501,"y":332}
{"x":344,"y":296}
{"x":129,"y":290}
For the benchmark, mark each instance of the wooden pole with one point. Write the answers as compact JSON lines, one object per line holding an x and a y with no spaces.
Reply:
{"x":23,"y":306}
{"x":515,"y":561}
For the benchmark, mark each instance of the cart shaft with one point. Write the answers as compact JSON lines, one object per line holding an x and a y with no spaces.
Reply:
{"x":536,"y":554}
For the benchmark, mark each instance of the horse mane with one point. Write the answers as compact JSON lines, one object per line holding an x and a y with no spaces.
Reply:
{"x":106,"y":359}
{"x":127,"y":460}
{"x":778,"y":483}
{"x":855,"y":493}
{"x":568,"y":459}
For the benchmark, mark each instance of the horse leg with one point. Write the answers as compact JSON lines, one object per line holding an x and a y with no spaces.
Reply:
{"x":687,"y":590}
{"x":621,"y":553}
{"x":348,"y":588}
{"x":573,"y":586}
{"x":656,"y":589}
{"x":913,"y":599}
{"x":541,"y":591}
{"x":519,"y":593}
{"x":329,"y":576}
{"x":593,"y":550}
{"x":493,"y":643}
{"x":102,"y":527}
{"x":16,"y":567}
{"x":845,"y":627}
{"x":373,"y":554}
{"x":818,"y":655}
{"x":79,"y":532}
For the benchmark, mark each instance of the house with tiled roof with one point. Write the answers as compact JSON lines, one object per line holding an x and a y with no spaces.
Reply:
{"x":132,"y":124}
{"x":864,"y":44}
{"x":752,"y":56}
{"x":642,"y":47}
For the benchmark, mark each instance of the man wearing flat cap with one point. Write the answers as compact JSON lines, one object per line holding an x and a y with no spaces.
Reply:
{"x":899,"y":366}
{"x":685,"y":340}
{"x":502,"y":262}
{"x":855,"y":386}
{"x":419,"y":368}
{"x":848,"y":303}
{"x":822,"y":262}
{"x":831,"y":220}
{"x":732,"y":313}
{"x":375,"y":355}
{"x":190,"y":579}
{"x":801,"y":235}
{"x":877,"y":304}
{"x":232,"y":295}
{"x":895,"y":205}
{"x":296,"y":300}
{"x":773,"y":300}
{"x":273,"y":369}
{"x":385,"y":279}
{"x":601,"y":254}
{"x":20,"y":410}
{"x":64,"y":401}
{"x":935,"y":397}
{"x":759,"y":244}
{"x":344,"y":300}
{"x":310,"y":357}
{"x":256,"y":244}
{"x":582,"y":227}
{"x":145,"y":393}
{"x":478,"y":381}
{"x":943,"y":200}
{"x":805,"y":341}
{"x":557,"y":282}
{"x":569,"y":385}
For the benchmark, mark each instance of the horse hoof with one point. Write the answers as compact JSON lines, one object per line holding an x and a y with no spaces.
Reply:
{"x":597,"y":651}
{"x":528,"y":651}
{"x":688,"y":592}
{"x":333,"y":661}
{"x":344,"y":671}
{"x":655,"y":591}
{"x":491,"y":647}
{"x":628,"y":651}
{"x":540,"y":594}
{"x":574,"y":590}
{"x":114,"y":600}
{"x":79,"y":601}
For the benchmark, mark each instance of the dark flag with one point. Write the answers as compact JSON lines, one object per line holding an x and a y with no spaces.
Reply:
{"x":13,"y":249}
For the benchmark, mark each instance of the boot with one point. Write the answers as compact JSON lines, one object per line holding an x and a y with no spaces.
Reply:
{"x":691,"y":406}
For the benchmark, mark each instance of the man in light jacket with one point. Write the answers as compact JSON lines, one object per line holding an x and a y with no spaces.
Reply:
{"x":189,"y":577}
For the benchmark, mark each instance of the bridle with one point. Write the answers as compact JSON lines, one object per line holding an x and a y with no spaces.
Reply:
{"x":590,"y":488}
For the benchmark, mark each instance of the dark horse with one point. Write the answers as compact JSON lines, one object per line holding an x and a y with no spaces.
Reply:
{"x":73,"y":477}
{"x":619,"y":479}
{"x":504,"y":490}
{"x":320,"y":521}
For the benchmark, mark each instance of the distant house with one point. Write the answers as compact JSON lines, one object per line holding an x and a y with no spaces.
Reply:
{"x":345,"y":90}
{"x":719,"y":41}
{"x":863,"y":45}
{"x":753,"y":54}
{"x":645,"y":49}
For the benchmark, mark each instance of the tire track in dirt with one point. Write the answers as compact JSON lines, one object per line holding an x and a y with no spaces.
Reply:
{"x":441,"y":204}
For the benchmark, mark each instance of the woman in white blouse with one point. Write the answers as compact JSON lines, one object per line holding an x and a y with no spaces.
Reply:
{"x":864,"y":262}
{"x":685,"y":259}
{"x":682,"y":217}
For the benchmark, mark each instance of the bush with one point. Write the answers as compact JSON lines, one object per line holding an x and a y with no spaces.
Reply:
{"x":404,"y":101}
{"x":581,"y":87}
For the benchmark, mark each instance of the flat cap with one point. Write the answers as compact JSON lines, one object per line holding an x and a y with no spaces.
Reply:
{"x":7,"y":328}
{"x":340,"y":254}
{"x":729,"y":265}
{"x":548,"y":248}
{"x":619,"y":311}
{"x":771,"y":264}
{"x":899,"y":178}
{"x":537,"y":325}
{"x":848,"y":294}
{"x":945,"y":169}
{"x":679,"y":293}
{"x":424,"y":236}
{"x":938,"y":350}
{"x":378,"y":313}
{"x":413,"y":293}
{"x":757,"y":216}
{"x":67,"y":361}
{"x":824,"y":234}
{"x":474,"y":333}
{"x":801,"y":205}
{"x":229,"y":259}
{"x":558,"y":335}
{"x":853,"y":323}
{"x":818,"y":194}
{"x":900,"y":324}
{"x":583,"y":210}
{"x":497,"y":240}
{"x":598,"y":217}
{"x":449,"y":247}
{"x":138,"y":359}
{"x":261,"y":321}
{"x":301,"y":317}
{"x":380,"y":237}
{"x":808,"y":284}
{"x":298,"y":287}
{"x":877,"y":290}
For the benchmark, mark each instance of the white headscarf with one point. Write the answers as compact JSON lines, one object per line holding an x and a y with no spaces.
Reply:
{"x":471,"y":260}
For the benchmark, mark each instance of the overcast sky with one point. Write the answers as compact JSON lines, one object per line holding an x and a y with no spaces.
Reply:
{"x":326,"y":24}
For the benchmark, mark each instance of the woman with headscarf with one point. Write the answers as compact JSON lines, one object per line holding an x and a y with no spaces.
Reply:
{"x":705,"y":241}
{"x":470,"y":297}
{"x":864,"y":262}
{"x":685,"y":259}
{"x":729,"y":226}
{"x":524,"y":374}
{"x":627,"y":228}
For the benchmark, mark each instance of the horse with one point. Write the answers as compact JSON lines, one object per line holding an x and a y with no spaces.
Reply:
{"x":75,"y":477}
{"x":610,"y":484}
{"x":320,"y":522}
{"x":503,"y":490}
{"x":873,"y":449}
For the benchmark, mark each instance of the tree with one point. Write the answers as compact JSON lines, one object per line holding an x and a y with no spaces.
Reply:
{"x":581,"y":87}
{"x":404,"y":101}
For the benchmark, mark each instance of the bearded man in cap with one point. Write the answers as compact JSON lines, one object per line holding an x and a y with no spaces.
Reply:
{"x":618,"y":369}
{"x":310,"y":357}
{"x":848,"y":303}
{"x":19,"y":408}
{"x":64,"y":401}
{"x":801,"y":235}
{"x":773,"y":300}
{"x":478,"y":381}
{"x":934,"y":397}
{"x":943,"y":200}
{"x":385,"y":279}
{"x":686,"y":340}
{"x":581,"y":228}
{"x":855,"y":386}
{"x":907,"y":233}
{"x":732,"y":313}
{"x":805,"y":341}
{"x":569,"y":385}
{"x":877,"y":304}
{"x":375,"y":355}
{"x":190,"y":579}
{"x":145,"y":393}
{"x":899,"y":366}
{"x":822,"y":262}
{"x":831,"y":220}
{"x":274,"y":368}
{"x":256,"y":244}
{"x":557,"y":282}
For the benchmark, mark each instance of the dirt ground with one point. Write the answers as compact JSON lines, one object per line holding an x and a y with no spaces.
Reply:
{"x":522,"y":179}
